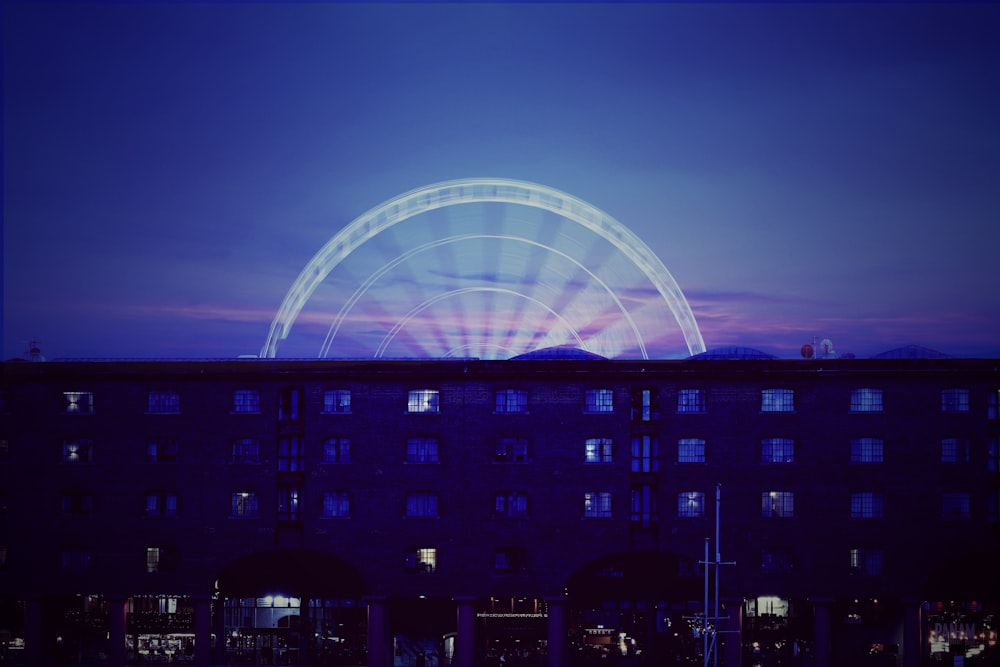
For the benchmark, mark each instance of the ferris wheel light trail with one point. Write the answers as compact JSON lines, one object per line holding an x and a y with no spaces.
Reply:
{"x":450,"y":193}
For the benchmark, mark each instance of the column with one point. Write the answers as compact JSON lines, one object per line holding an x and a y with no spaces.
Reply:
{"x":823,"y":629}
{"x":558,"y":631}
{"x":732,"y":633}
{"x":379,"y":653}
{"x":117,"y":609}
{"x":465,"y":642}
{"x":33,"y":649}
{"x":202,"y":630}
{"x":913,"y":637}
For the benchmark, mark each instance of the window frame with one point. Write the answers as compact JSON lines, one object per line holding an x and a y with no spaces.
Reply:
{"x":602,"y":448}
{"x":777,"y":400}
{"x":511,"y":449}
{"x":867,"y":400}
{"x":170,"y":450}
{"x":599,"y":401}
{"x":85,"y":451}
{"x":691,"y":401}
{"x":334,"y":402}
{"x":245,"y":504}
{"x":422,"y":505}
{"x":423,"y":450}
{"x":511,"y":402}
{"x":246,"y":402}
{"x":511,"y":504}
{"x":867,"y":450}
{"x":955,"y":451}
{"x":777,"y":451}
{"x":954,"y":400}
{"x":423,"y":402}
{"x":691,"y":505}
{"x":78,"y":402}
{"x":245,"y":451}
{"x":336,"y":504}
{"x":777,"y":504}
{"x":867,"y":505}
{"x":337,"y":450}
{"x":690,"y":450}
{"x":598,"y":505}
{"x":163,"y":402}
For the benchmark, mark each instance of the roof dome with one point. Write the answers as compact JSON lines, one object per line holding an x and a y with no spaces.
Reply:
{"x":911,"y":352}
{"x":559,"y":352}
{"x":733,"y":352}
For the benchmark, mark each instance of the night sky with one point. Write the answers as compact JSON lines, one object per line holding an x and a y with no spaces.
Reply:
{"x":802,"y":170}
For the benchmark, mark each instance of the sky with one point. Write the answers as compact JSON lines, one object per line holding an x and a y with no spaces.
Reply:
{"x":803,"y":171}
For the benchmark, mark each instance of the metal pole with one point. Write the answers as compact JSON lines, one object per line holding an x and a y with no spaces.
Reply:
{"x":718,"y":562}
{"x":704,"y":621}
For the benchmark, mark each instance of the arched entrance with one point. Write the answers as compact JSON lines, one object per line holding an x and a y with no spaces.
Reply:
{"x":291,"y":606}
{"x":634,"y":608}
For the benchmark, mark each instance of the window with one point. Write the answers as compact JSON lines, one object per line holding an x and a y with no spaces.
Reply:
{"x":511,"y":504}
{"x":74,"y":560}
{"x":423,"y":401}
{"x":78,"y":451}
{"x":79,"y":402}
{"x":291,"y":454}
{"x":866,"y":505}
{"x":691,"y":450}
{"x":244,"y":504}
{"x":512,"y":401}
{"x":691,"y":400}
{"x":645,"y":453}
{"x":866,"y":400}
{"x":76,"y":503}
{"x":643,"y":402}
{"x":510,"y":559}
{"x":777,"y":504}
{"x":954,"y":450}
{"x":954,"y":400}
{"x":161,"y":504}
{"x":289,"y":502}
{"x":866,"y":450}
{"x":336,"y":401}
{"x":246,"y":450}
{"x":599,"y":401}
{"x":777,"y":450}
{"x":161,"y":450}
{"x":776,"y":561}
{"x":160,"y":559}
{"x":164,"y":402}
{"x":777,"y":400}
{"x":993,"y":455}
{"x":336,"y":504}
{"x":421,"y":504}
{"x":423,"y":560}
{"x":690,"y":505}
{"x":955,"y":505}
{"x":511,"y":450}
{"x":337,"y":450}
{"x":289,"y":404}
{"x":597,"y":450}
{"x":866,"y":562}
{"x":597,"y":504}
{"x":644,"y":512}
{"x":993,"y":407}
{"x":422,"y":450}
{"x":246,"y":401}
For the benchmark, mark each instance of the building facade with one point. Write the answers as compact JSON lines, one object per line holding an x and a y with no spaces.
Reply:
{"x":529,"y":511}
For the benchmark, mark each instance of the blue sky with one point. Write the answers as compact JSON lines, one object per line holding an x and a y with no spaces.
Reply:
{"x":827,"y":170}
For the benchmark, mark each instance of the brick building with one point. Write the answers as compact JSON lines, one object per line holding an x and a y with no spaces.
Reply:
{"x":544,"y":510}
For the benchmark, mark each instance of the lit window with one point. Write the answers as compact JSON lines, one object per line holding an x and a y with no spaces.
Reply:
{"x":337,"y":450}
{"x":955,"y":505}
{"x":161,"y":504}
{"x":645,"y":453}
{"x":161,"y":450}
{"x":421,"y":504}
{"x":777,"y":450}
{"x":954,"y":450}
{"x":77,"y":503}
{"x":599,"y":401}
{"x":866,"y":505}
{"x":691,"y":400}
{"x":74,"y":561}
{"x":164,"y":402}
{"x":511,"y":450}
{"x":246,"y":401}
{"x":643,"y":402}
{"x":690,"y":505}
{"x":78,"y":451}
{"x":79,"y":402}
{"x":866,"y":450}
{"x":597,"y":450}
{"x":866,"y":562}
{"x":246,"y":450}
{"x":993,"y":455}
{"x":993,"y":407}
{"x":691,"y":450}
{"x":776,"y":561}
{"x":289,"y":502}
{"x":422,"y":450}
{"x":423,"y":401}
{"x":422,"y":560}
{"x":158,"y":559}
{"x":244,"y":504}
{"x":777,"y":400}
{"x":336,"y":504}
{"x":336,"y":401}
{"x":644,"y":511}
{"x":866,"y":400}
{"x":511,"y":504}
{"x":289,"y":404}
{"x":597,"y":504}
{"x":510,"y":560}
{"x":512,"y":401}
{"x":777,"y":504}
{"x":291,"y":454}
{"x":954,"y":400}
